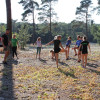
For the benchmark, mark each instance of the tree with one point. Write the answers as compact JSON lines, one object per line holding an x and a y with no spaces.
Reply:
{"x":29,"y":8}
{"x":9,"y":18}
{"x":23,"y":36}
{"x":46,"y":14}
{"x":97,"y":8}
{"x":95,"y":30}
{"x":83,"y":11}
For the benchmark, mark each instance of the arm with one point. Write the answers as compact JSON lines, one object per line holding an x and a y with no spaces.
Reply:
{"x":61,"y":46}
{"x":49,"y":43}
{"x":80,"y":46}
{"x":2,"y":42}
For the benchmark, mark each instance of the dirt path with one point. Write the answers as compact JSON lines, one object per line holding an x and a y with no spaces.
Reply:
{"x":29,"y":78}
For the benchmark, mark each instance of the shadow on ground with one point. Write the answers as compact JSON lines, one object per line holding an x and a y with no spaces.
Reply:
{"x":71,"y":73}
{"x":7,"y":90}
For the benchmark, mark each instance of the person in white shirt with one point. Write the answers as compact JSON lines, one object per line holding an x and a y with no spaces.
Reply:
{"x":39,"y":45}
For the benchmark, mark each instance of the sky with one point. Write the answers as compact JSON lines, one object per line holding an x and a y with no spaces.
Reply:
{"x":65,"y":10}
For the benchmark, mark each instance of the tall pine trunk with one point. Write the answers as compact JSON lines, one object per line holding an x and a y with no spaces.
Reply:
{"x":9,"y":18}
{"x":86,"y":26}
{"x":50,"y":30}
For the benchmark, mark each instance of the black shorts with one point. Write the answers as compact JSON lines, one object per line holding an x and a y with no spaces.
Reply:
{"x":84,"y":52}
{"x":68,"y":46}
{"x":57,"y":50}
{"x":1,"y":45}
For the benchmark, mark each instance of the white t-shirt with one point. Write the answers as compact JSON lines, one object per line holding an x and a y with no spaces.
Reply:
{"x":38,"y":43}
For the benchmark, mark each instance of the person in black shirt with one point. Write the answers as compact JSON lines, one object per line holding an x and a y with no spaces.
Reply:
{"x":57,"y":49}
{"x":84,"y":48}
{"x":5,"y":43}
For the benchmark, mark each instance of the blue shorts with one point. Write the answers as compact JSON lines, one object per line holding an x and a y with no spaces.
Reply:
{"x":38,"y":50}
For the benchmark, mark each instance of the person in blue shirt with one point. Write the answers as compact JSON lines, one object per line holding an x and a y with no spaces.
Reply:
{"x":68,"y":46}
{"x":80,"y":49}
{"x":78,"y":42}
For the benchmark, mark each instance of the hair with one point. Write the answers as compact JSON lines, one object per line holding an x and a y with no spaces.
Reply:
{"x":78,"y":36}
{"x":85,"y":38}
{"x":38,"y":38}
{"x":70,"y":37}
{"x":14,"y":35}
{"x":58,"y":36}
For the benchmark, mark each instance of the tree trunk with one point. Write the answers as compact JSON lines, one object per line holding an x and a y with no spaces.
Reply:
{"x":9,"y":18}
{"x":86,"y":23}
{"x":33,"y":35}
{"x":50,"y":30}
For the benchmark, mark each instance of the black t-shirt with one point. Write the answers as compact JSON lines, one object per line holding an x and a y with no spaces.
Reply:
{"x":84,"y":45}
{"x":56,"y":44}
{"x":5,"y":39}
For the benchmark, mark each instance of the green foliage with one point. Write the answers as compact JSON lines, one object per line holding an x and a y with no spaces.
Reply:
{"x":23,"y":36}
{"x":28,"y":6}
{"x":2,"y":28}
{"x":95,"y":30}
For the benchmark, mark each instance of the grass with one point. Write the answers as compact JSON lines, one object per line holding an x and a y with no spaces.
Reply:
{"x":46,"y":81}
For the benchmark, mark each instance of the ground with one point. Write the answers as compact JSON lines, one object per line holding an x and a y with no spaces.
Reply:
{"x":29,"y":78}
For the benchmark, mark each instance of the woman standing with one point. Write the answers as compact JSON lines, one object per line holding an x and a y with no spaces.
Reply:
{"x":14,"y":43}
{"x":84,"y":46}
{"x":57,"y":49}
{"x":39,"y":45}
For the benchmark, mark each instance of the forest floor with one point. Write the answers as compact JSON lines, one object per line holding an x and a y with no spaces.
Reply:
{"x":29,"y":78}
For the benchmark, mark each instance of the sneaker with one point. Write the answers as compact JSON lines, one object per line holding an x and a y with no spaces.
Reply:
{"x":83,"y":67}
{"x":79,"y":61}
{"x":67,"y":59}
{"x":4,"y":62}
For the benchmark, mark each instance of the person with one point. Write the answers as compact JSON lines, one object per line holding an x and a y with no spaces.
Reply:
{"x":68,"y":46}
{"x":39,"y":46}
{"x":6,"y":44}
{"x":77,"y":45}
{"x":1,"y":42}
{"x":79,"y":50}
{"x":84,"y":46}
{"x":57,"y":49}
{"x":14,"y":43}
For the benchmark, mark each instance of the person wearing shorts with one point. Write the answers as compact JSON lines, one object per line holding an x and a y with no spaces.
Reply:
{"x":68,"y":46}
{"x":84,"y":45}
{"x":77,"y":45}
{"x":39,"y":45}
{"x":6,"y":43}
{"x":57,"y":49}
{"x":80,"y":49}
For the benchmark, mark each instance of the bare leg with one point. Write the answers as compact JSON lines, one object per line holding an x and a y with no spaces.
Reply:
{"x":6,"y":55}
{"x":85,"y":60}
{"x":82,"y":59}
{"x":56,"y":56}
{"x":39,"y":55}
{"x":79,"y":55}
{"x":75,"y":50}
{"x":64,"y":50}
{"x":68,"y":52}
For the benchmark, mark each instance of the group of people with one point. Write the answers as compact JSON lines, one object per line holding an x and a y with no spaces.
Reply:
{"x":7,"y":44}
{"x":81,"y":45}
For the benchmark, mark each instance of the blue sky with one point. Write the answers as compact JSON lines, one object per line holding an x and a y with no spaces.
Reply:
{"x":65,"y":10}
